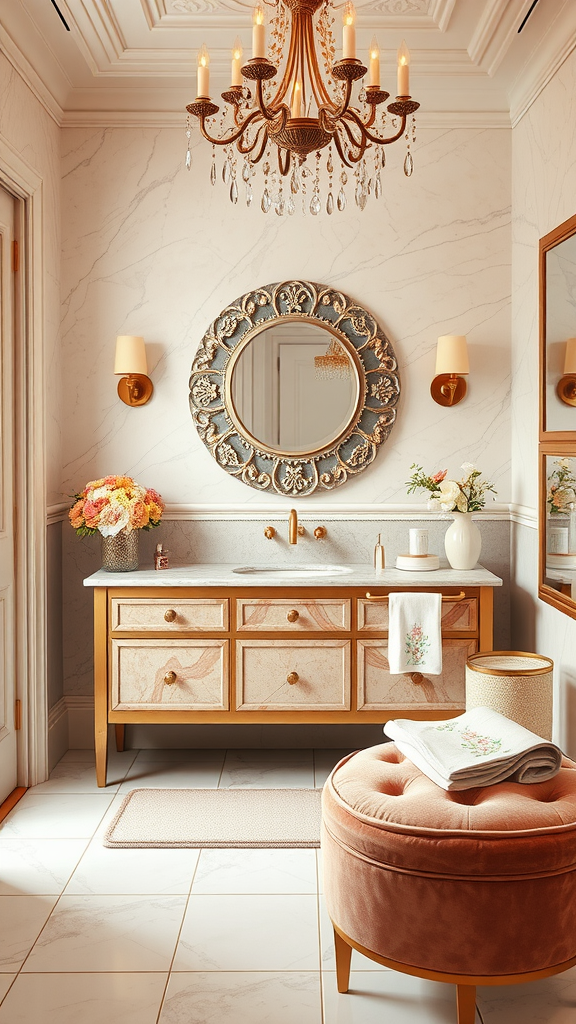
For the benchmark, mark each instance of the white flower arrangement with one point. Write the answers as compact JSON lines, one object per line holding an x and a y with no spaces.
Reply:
{"x":465,"y":495}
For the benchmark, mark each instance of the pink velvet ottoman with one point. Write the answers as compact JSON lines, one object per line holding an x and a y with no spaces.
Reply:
{"x":475,"y":888}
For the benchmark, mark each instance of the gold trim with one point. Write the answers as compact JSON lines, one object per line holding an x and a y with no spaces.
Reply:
{"x":445,"y":597}
{"x":512,"y":671}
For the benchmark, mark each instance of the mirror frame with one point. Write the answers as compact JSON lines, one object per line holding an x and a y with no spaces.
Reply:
{"x":229,"y":442}
{"x":555,"y":443}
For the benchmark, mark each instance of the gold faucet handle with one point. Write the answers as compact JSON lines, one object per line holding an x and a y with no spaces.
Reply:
{"x":270,"y":532}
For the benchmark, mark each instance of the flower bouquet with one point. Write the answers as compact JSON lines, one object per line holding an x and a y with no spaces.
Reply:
{"x":463,"y":541}
{"x":116,"y":507}
{"x":561,"y":492}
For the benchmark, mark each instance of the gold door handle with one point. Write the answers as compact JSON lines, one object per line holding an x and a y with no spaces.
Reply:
{"x":170,"y":678}
{"x":416,"y":677}
{"x":292,"y":678}
{"x":170,"y":615}
{"x":293,"y":615}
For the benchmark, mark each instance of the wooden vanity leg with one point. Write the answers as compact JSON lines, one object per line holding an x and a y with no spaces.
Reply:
{"x":120,"y":730}
{"x":343,"y":957}
{"x":466,"y":1003}
{"x":100,"y":685}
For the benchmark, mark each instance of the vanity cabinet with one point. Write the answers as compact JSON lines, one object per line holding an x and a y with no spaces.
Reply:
{"x":295,"y":654}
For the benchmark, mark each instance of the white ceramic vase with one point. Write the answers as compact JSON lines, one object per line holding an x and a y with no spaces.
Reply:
{"x":463,"y":542}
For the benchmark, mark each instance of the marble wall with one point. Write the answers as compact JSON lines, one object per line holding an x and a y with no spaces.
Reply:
{"x":543,"y":190}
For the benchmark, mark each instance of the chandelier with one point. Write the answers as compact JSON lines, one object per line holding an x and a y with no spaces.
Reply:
{"x":280,"y":126}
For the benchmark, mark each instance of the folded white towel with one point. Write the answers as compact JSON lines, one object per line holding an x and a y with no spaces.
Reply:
{"x":414,"y":633}
{"x":479,"y":748}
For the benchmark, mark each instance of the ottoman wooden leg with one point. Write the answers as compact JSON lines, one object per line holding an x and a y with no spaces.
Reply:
{"x":466,"y":1003}
{"x":343,"y":957}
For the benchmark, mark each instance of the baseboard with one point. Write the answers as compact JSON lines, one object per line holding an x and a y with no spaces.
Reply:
{"x":57,"y":732}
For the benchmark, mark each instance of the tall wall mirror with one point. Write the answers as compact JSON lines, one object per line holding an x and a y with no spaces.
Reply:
{"x":557,"y":471}
{"x":294,"y":388}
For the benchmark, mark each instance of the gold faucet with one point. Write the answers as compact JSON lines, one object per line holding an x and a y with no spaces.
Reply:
{"x":294,"y":531}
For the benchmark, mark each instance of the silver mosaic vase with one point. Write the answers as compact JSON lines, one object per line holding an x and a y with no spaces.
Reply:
{"x":120,"y":553}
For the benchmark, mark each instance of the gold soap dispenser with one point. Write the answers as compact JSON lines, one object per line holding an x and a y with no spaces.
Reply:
{"x":379,"y":556}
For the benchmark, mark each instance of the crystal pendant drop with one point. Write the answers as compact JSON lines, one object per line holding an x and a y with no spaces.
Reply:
{"x":358,"y":193}
{"x":315,"y":206}
{"x":363,"y":200}
{"x":234,"y":191}
{"x":290,"y":206}
{"x":266,"y":202}
{"x":329,"y":164}
{"x":249,"y":194}
{"x":226,"y":171}
{"x":330,"y":204}
{"x":362,"y":95}
{"x":213,"y":174}
{"x":408,"y":164}
{"x":295,"y":182}
{"x":341,"y":201}
{"x":344,"y":178}
{"x":378,"y":186}
{"x":383,"y":159}
{"x":188,"y":159}
{"x":246,"y":172}
{"x":280,"y":207}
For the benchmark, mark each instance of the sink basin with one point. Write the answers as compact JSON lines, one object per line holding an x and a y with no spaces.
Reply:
{"x":298,"y":571}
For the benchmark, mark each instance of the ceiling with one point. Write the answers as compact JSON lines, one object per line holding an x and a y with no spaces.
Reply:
{"x":133,"y":62}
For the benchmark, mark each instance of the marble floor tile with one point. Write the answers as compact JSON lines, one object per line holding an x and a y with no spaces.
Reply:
{"x":5,"y":983}
{"x":84,"y":999}
{"x":249,"y":933}
{"x":55,"y":816}
{"x":379,"y":996}
{"x":171,"y":775}
{"x":191,"y":754}
{"x":324,"y":761}
{"x":548,"y":1001}
{"x":77,"y":777}
{"x":284,"y":755}
{"x":108,"y":933}
{"x":22,"y":918}
{"x":255,"y":871}
{"x":254,"y":998}
{"x":264,"y":769}
{"x":118,"y":761}
{"x":114,"y":872}
{"x":34,"y":866}
{"x":328,"y":960}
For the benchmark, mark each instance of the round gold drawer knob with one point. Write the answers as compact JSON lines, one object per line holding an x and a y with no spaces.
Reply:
{"x":170,"y":678}
{"x":293,"y":615}
{"x":170,"y":615}
{"x":292,"y":678}
{"x":416,"y":677}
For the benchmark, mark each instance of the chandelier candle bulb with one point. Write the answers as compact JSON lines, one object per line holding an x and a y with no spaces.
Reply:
{"x":296,"y":105}
{"x":403,"y":70}
{"x":349,"y":32}
{"x":237,"y":63}
{"x":374,"y":64}
{"x":203,"y":73}
{"x":258,"y":33}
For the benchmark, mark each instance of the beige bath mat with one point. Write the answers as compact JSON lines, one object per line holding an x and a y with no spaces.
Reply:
{"x":217,"y":818}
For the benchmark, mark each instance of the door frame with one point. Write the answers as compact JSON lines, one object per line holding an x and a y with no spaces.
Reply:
{"x":22,"y":181}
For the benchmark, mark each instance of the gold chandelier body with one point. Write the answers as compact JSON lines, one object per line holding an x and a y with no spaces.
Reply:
{"x":273,"y":122}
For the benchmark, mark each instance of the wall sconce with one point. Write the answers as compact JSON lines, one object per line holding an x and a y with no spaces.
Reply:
{"x":448,"y":387}
{"x":566,"y":386}
{"x":135,"y":386}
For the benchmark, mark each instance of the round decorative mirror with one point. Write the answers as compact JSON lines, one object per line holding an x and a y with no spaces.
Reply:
{"x":294,"y":387}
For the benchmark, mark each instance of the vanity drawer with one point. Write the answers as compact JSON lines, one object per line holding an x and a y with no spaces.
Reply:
{"x":378,"y":688}
{"x":293,"y":615}
{"x":291,"y":674}
{"x":190,"y":675}
{"x":167,"y":615}
{"x":457,"y":616}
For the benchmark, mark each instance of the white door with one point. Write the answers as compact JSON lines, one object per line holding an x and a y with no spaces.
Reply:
{"x":7,"y":658}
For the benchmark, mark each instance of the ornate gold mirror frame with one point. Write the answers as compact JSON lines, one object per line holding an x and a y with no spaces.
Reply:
{"x":356,"y":445}
{"x":557,"y":455}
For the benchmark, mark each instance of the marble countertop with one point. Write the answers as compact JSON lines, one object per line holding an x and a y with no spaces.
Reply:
{"x":354,"y":576}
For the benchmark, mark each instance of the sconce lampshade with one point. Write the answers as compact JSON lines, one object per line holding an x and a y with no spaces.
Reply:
{"x":130,"y":355}
{"x":452,"y":354}
{"x":570,"y":357}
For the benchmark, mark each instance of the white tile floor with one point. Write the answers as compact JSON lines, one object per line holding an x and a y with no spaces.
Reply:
{"x":91,"y":935}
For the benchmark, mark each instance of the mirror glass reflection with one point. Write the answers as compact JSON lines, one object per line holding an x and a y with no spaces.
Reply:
{"x":560,"y":560}
{"x":560,"y":330}
{"x":294,"y":387}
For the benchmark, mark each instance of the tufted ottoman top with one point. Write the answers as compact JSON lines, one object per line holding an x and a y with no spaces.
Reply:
{"x":379,"y":804}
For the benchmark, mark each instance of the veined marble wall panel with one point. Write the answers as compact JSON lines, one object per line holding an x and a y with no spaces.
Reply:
{"x":151,"y":249}
{"x":27,"y":127}
{"x":543,"y":191}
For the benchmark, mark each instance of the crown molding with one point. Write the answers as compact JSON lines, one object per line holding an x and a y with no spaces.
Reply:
{"x":441,"y":12}
{"x":30,"y":77}
{"x":555,"y":49}
{"x":495,"y":32}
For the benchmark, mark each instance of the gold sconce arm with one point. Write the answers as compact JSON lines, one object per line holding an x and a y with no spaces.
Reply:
{"x":449,"y":386}
{"x":448,"y":389}
{"x":566,"y":389}
{"x":134,"y":386}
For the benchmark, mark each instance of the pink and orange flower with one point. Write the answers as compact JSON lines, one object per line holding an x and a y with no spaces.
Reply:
{"x":113,"y":504}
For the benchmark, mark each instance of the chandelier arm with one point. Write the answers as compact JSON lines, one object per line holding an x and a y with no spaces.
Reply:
{"x":352,"y":115}
{"x":249,"y":147}
{"x":256,"y":159}
{"x":338,"y":144}
{"x":283,"y":167}
{"x":235,"y":135}
{"x":291,"y":62}
{"x":269,"y":113}
{"x":357,"y":143}
{"x":337,"y":112}
{"x":321,"y":94}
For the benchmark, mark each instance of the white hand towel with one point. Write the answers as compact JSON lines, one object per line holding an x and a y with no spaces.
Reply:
{"x":414,"y":633}
{"x":479,"y":748}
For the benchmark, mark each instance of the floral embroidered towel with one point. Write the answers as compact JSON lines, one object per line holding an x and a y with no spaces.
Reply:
{"x":414,"y":635}
{"x":479,"y":748}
